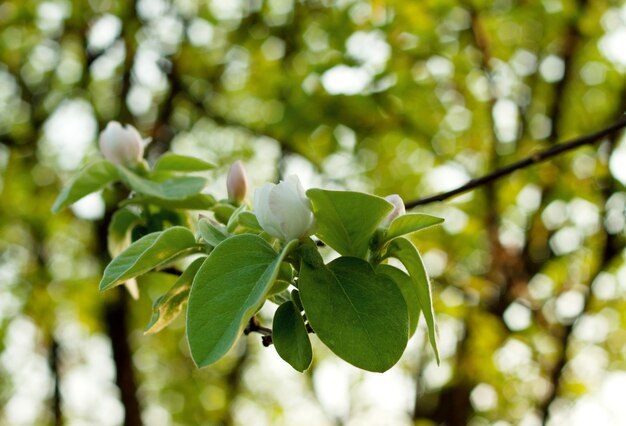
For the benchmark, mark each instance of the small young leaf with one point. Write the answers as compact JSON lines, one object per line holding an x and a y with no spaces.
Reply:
{"x":295,"y":296}
{"x":278,"y":298}
{"x":360,"y":315}
{"x":93,"y":177}
{"x":346,"y":221}
{"x":167,"y":307}
{"x":181,"y":163}
{"x":248,"y":220}
{"x":147,"y":253}
{"x":409,"y":223}
{"x":403,"y":250}
{"x":175,"y":188}
{"x":229,"y":288}
{"x":278,"y":287}
{"x":120,"y":227}
{"x":223,"y":212}
{"x":233,"y":220}
{"x":291,"y":338}
{"x":212,"y":234}
{"x":409,"y":291}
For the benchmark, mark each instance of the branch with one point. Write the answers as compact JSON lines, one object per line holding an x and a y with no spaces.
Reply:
{"x":53,"y":364}
{"x":254,"y":327}
{"x":539,"y":157}
{"x":266,"y":333}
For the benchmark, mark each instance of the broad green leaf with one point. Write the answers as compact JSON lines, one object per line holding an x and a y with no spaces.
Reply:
{"x":175,"y":188}
{"x":403,"y":250}
{"x":360,"y":315}
{"x":228,"y":289}
{"x":167,"y":307}
{"x":290,"y":337}
{"x":93,"y":177}
{"x":409,"y":291}
{"x":212,"y":234}
{"x":181,"y":163}
{"x":120,"y":227}
{"x":409,"y":223}
{"x":147,"y":253}
{"x":346,"y":221}
{"x":193,"y":202}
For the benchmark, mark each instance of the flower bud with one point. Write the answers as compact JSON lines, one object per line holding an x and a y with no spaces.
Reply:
{"x":122,"y":146}
{"x":398,"y":209}
{"x":237,"y":182}
{"x":283,"y":210}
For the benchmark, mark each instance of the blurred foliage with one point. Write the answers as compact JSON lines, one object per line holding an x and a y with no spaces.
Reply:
{"x":407,"y":97}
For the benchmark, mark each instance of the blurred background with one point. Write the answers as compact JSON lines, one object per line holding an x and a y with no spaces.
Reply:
{"x":386,"y":96}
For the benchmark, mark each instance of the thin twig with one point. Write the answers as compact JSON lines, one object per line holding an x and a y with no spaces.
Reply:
{"x":536,"y":158}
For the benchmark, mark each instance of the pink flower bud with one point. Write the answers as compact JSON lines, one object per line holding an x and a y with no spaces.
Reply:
{"x":237,"y":182}
{"x":398,"y":209}
{"x":121,"y":145}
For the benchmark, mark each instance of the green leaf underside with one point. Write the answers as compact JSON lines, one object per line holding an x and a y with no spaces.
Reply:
{"x":345,"y":220}
{"x":409,"y":291}
{"x":291,"y":338}
{"x":93,"y":177}
{"x":403,"y":250}
{"x":167,"y":307}
{"x":175,"y":188}
{"x":120,"y":227}
{"x":360,"y":315}
{"x":228,"y":289}
{"x":212,"y":234}
{"x":147,"y":253}
{"x":409,"y":223}
{"x":181,"y":163}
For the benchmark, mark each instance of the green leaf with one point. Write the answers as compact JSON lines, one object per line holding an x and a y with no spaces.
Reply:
{"x":228,"y":289}
{"x":346,"y":221}
{"x":167,"y":307}
{"x":93,"y":177}
{"x":409,"y":291}
{"x":212,"y":234}
{"x":193,"y":202}
{"x":233,"y":220}
{"x":291,"y":338}
{"x":181,"y":163}
{"x":409,"y":223}
{"x":360,"y":315}
{"x":176,"y":188}
{"x":147,"y":253}
{"x":247,"y":219}
{"x":120,"y":227}
{"x":403,"y":250}
{"x":223,"y":212}
{"x":280,"y":297}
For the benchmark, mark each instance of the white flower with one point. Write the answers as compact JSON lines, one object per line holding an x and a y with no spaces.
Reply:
{"x":398,"y":209}
{"x":283,"y":210}
{"x":122,"y":146}
{"x":237,"y":182}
